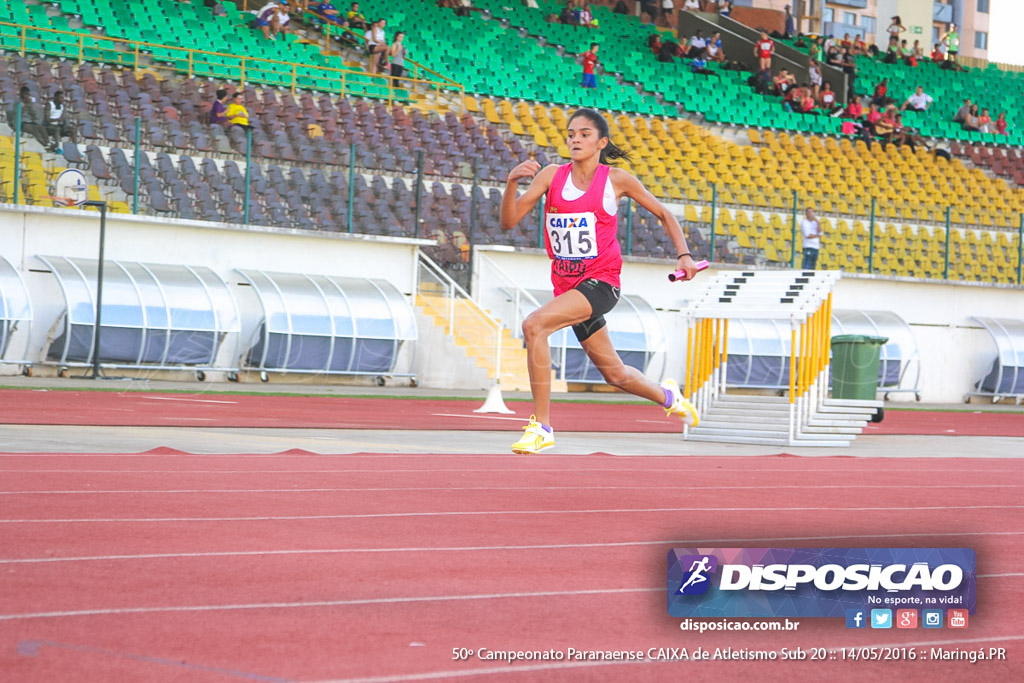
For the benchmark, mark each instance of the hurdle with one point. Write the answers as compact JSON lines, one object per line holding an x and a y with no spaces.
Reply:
{"x":805,"y":416}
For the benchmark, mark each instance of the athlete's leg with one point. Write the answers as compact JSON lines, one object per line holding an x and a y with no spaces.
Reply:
{"x":562,"y":311}
{"x":599,"y":349}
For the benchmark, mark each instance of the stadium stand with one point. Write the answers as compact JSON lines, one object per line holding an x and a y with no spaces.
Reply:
{"x":303,"y":143}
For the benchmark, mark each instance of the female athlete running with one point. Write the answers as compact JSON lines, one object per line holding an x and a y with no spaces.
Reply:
{"x":581,"y":225}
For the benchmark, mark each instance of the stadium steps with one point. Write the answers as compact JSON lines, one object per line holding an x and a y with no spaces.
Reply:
{"x":476,"y":339}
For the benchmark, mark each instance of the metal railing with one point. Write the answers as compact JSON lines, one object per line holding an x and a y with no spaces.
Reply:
{"x":460,"y":313}
{"x":244,"y":69}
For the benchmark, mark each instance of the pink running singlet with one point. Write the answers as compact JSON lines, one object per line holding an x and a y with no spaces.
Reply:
{"x":581,"y":236}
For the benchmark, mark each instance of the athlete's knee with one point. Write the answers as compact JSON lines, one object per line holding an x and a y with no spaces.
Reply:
{"x":534,"y":328}
{"x":617,"y":376}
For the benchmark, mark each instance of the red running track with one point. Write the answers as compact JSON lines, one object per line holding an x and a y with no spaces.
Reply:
{"x":170,"y":566}
{"x":144,"y":409}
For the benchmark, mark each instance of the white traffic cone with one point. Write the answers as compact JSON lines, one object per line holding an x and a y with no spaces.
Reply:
{"x":494,"y":403}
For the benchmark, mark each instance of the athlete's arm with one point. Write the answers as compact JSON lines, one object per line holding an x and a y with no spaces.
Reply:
{"x":513,"y":208}
{"x":626,"y":185}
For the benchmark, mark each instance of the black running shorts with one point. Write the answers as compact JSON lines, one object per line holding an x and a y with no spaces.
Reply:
{"x":602,"y":297}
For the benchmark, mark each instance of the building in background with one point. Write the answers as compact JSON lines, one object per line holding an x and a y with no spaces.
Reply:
{"x":926,"y":20}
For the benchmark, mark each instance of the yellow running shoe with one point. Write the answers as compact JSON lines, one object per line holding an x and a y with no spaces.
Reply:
{"x":535,"y":439}
{"x":680,"y":406}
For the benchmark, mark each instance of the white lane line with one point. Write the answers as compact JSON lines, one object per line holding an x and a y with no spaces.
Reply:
{"x":322,"y":603}
{"x":685,"y":543}
{"x":534,"y":668}
{"x":190,"y":400}
{"x":326,"y":603}
{"x":482,"y":417}
{"x":401,"y":489}
{"x":475,"y":513}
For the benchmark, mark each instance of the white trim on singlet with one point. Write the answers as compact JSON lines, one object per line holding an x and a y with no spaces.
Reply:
{"x":571,"y":193}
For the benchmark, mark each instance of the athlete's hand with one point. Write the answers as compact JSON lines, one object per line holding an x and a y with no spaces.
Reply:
{"x":527,"y":169}
{"x":687,"y":263}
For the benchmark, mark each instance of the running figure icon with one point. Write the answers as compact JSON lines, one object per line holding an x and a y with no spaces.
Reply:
{"x":698,"y":571}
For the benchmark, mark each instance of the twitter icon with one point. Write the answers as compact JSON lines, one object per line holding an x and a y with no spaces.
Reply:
{"x":881,"y":618}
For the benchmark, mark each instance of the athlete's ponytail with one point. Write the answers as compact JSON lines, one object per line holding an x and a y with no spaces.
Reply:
{"x":611,"y":152}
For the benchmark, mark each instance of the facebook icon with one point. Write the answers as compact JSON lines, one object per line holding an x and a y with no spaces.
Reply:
{"x":856,"y":618}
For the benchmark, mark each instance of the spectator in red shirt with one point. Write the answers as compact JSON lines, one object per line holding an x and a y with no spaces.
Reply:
{"x":1001,"y":124}
{"x":854,"y":110}
{"x":654,"y":43}
{"x":827,"y":98}
{"x":880,"y":97}
{"x":589,"y":62}
{"x":938,"y":56}
{"x":984,"y":121}
{"x":764,"y":48}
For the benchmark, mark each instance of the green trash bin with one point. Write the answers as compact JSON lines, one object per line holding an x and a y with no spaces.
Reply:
{"x":855,"y":360}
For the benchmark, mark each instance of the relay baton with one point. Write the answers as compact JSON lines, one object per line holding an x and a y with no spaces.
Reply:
{"x":680,"y":275}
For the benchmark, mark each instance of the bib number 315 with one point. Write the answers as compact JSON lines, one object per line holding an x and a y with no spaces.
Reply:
{"x":573,"y":236}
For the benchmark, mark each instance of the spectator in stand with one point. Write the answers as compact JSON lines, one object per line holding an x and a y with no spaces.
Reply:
{"x":589,"y":64}
{"x":859,"y":46}
{"x":356,"y":19}
{"x":764,"y":48}
{"x":237,"y":114}
{"x":815,"y":73}
{"x":725,"y":8}
{"x":377,"y":46}
{"x":692,"y":6}
{"x":219,"y":107}
{"x":807,"y":103}
{"x":654,"y":43}
{"x":907,"y":54}
{"x":918,"y":51}
{"x":810,"y":228}
{"x":668,"y":10}
{"x":827,"y":99}
{"x":397,"y":55}
{"x":872,"y":118}
{"x":952,"y":42}
{"x":829,"y":43}
{"x":833,"y":55}
{"x":790,"y":26}
{"x":885,"y":127}
{"x":714,"y":50}
{"x":881,"y":95}
{"x":330,"y":13}
{"x":700,"y":66}
{"x":854,"y":109}
{"x":984,"y":122}
{"x":817,"y":51}
{"x":669,"y":51}
{"x":620,"y":7}
{"x":31,"y":117}
{"x":962,"y":112}
{"x":783,"y":82}
{"x":57,"y":125}
{"x":971,"y":121}
{"x":919,"y":101}
{"x":284,"y":18}
{"x":1000,"y":124}
{"x":938,"y":56}
{"x":846,"y":43}
{"x":267,"y":20}
{"x":849,"y":68}
{"x":650,"y":8}
{"x":697,"y":45}
{"x":586,"y":16}
{"x":894,"y":31}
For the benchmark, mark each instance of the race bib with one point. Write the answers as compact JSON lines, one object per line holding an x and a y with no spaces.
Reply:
{"x":572,"y":235}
